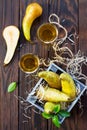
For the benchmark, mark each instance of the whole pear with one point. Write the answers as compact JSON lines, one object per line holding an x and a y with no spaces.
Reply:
{"x":52,"y":95}
{"x":51,"y":78}
{"x":33,"y":11}
{"x":68,"y":85}
{"x":49,"y":107}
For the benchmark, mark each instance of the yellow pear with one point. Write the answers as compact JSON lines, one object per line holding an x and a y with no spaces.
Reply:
{"x":51,"y":78}
{"x":68,"y":85}
{"x":49,"y":107}
{"x":33,"y":11}
{"x":52,"y":95}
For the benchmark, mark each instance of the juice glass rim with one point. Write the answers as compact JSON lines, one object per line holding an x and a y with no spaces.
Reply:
{"x":29,"y":72}
{"x":47,"y":23}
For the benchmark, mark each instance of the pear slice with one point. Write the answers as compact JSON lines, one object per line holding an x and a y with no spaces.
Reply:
{"x":11,"y":35}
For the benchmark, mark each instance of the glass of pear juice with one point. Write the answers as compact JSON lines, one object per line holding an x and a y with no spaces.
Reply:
{"x":47,"y":33}
{"x":29,"y":63}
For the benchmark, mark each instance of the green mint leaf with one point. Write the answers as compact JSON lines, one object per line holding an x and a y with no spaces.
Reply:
{"x":12,"y":87}
{"x":55,"y":121}
{"x":47,"y":116}
{"x":56,"y":108}
{"x":64,"y":113}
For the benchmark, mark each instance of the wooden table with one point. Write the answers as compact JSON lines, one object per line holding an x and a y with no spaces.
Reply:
{"x":73,"y":16}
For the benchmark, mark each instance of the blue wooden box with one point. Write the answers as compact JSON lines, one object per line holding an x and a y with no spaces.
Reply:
{"x":53,"y":67}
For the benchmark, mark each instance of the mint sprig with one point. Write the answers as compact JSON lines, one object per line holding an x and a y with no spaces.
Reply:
{"x":55,"y":121}
{"x":12,"y":86}
{"x":56,"y":108}
{"x":55,"y":114}
{"x":47,"y":116}
{"x":64,"y":113}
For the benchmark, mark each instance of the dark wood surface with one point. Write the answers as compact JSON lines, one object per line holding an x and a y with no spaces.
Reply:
{"x":73,"y":16}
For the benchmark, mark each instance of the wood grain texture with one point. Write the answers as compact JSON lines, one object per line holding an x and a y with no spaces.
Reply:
{"x":36,"y":122}
{"x":83,"y":47}
{"x":8,"y":103}
{"x":72,"y":14}
{"x":68,"y":14}
{"x":82,"y":25}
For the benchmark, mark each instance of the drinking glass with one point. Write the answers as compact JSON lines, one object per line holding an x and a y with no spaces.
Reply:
{"x":29,"y":63}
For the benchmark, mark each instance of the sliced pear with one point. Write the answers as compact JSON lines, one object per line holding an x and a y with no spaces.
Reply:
{"x":11,"y":36}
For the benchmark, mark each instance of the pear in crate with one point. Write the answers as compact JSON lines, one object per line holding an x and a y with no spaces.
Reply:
{"x":52,"y":95}
{"x":49,"y":107}
{"x":68,"y":85}
{"x":51,"y":78}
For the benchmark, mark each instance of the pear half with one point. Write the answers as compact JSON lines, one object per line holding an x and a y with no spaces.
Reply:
{"x":11,"y":35}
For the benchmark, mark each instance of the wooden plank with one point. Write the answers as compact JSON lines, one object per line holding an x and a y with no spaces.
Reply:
{"x":83,"y":47}
{"x":68,"y":14}
{"x":8,"y":103}
{"x":36,"y":121}
{"x":82,"y":25}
